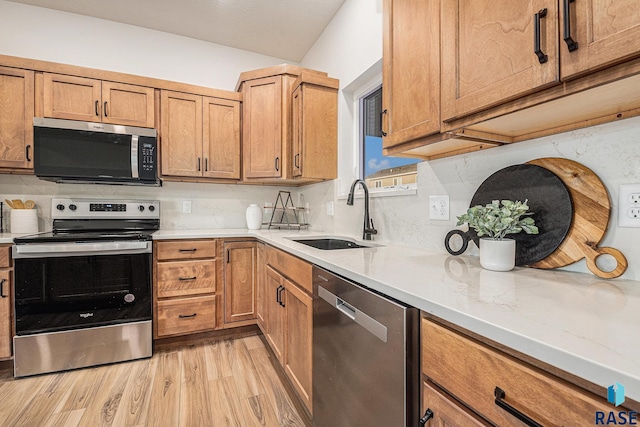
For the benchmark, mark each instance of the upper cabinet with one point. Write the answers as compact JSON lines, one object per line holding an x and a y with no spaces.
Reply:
{"x":79,"y":98}
{"x":282,"y":134}
{"x":200,"y":136}
{"x":16,"y":118}
{"x":410,"y":70}
{"x":507,"y":74}
{"x":489,"y":53}
{"x":597,"y":34}
{"x":314,"y":124}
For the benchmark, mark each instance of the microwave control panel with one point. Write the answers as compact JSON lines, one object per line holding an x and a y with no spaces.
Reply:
{"x":148,"y":156}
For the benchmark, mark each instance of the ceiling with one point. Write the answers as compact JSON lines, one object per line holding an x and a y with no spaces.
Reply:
{"x":280,"y":28}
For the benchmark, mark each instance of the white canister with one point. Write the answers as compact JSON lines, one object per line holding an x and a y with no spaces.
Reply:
{"x":254,"y":217}
{"x":24,"y":221}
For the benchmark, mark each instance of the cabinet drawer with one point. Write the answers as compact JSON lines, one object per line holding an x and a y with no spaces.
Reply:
{"x":5,"y":256}
{"x":472,"y":371}
{"x":186,"y":249}
{"x":186,"y":315}
{"x":182,"y":278}
{"x":446,"y":412}
{"x":292,"y":267}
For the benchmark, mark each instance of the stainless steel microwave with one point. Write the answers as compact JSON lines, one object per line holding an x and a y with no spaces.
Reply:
{"x":84,"y":152}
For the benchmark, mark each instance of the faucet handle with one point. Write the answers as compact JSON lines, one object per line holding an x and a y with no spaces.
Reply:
{"x":371,"y":229}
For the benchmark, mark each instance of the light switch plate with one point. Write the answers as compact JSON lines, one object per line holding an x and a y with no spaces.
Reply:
{"x":439,"y":208}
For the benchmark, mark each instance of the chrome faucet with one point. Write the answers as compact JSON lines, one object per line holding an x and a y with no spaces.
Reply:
{"x":369,"y":230}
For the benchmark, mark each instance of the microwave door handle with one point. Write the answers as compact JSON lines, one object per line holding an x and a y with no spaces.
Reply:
{"x":134,"y":156}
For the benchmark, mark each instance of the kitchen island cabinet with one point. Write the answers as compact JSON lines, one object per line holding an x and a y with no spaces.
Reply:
{"x":91,"y":100}
{"x":184,"y":287}
{"x":16,"y":120}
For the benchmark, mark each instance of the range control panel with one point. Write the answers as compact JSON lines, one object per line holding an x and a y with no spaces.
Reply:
{"x":97,"y":209}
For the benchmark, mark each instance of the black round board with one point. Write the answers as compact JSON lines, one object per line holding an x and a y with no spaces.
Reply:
{"x":548,"y":199}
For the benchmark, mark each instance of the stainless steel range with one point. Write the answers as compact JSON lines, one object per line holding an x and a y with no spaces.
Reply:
{"x":83,"y":291}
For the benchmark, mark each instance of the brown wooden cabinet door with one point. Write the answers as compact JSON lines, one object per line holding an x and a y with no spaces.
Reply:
{"x":411,"y":70}
{"x":314,"y":115}
{"x":276,"y":316}
{"x":239,"y":281}
{"x":299,"y":339}
{"x":262,"y":128}
{"x":488,"y":52}
{"x":181,"y":134}
{"x":606,"y":32}
{"x":72,"y":98}
{"x":221,"y":139}
{"x":261,"y":297}
{"x":16,"y":118}
{"x":5,"y":314}
{"x":128,"y":105}
{"x":445,"y":411}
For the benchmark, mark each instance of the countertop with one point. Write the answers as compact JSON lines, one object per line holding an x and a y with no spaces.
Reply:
{"x":580,"y":323}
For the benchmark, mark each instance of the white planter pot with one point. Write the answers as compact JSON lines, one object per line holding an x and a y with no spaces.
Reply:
{"x":498,"y":255}
{"x":254,"y":217}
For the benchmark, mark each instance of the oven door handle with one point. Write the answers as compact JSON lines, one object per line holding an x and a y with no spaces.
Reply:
{"x":36,"y":250}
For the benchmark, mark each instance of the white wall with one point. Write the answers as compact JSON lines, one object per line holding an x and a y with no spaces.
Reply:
{"x":39,"y":33}
{"x":350,"y":48}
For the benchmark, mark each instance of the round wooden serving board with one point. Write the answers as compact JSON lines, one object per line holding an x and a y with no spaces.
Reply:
{"x":591,"y":210}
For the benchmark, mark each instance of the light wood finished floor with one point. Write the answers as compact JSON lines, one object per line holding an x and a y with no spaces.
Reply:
{"x":229,"y":382}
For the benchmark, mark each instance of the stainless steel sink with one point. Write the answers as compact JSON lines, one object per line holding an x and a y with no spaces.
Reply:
{"x":333,"y":243}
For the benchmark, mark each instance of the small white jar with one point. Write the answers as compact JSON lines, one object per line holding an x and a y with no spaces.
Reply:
{"x":24,"y":221}
{"x":254,"y":217}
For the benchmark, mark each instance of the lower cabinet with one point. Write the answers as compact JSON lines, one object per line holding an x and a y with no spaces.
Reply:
{"x":5,"y":301}
{"x":184,"y":287}
{"x":496,"y":386}
{"x":288,"y":314}
{"x":240,"y":282}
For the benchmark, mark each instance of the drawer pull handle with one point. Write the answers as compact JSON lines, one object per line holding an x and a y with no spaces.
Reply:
{"x":428,"y":414}
{"x":186,"y":316}
{"x":2,"y":288}
{"x":500,"y":396}
{"x":542,"y":58}
{"x":187,"y":278}
{"x":187,"y":250}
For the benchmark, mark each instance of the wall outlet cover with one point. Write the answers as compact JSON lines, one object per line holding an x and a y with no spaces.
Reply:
{"x":186,"y":206}
{"x":439,"y":208}
{"x":629,"y":205}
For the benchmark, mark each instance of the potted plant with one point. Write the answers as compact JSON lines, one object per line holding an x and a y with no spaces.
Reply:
{"x":495,"y":221}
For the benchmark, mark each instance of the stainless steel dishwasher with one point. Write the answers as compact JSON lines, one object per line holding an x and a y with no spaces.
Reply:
{"x":365,"y":356}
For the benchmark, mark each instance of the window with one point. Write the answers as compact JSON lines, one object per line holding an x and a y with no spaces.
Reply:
{"x":380,"y":171}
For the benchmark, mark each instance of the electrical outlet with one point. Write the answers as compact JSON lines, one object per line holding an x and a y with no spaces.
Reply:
{"x":330,"y":208}
{"x":629,"y":205}
{"x":439,"y":208}
{"x":186,"y":206}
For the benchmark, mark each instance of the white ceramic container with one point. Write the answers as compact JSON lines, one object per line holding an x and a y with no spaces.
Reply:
{"x":497,"y":255}
{"x":24,"y":221}
{"x":254,"y":217}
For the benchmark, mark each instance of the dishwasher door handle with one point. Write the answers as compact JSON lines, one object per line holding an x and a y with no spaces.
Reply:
{"x":346,"y":308}
{"x":358,"y":316}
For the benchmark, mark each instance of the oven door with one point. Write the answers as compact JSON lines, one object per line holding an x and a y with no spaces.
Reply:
{"x":66,"y":286}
